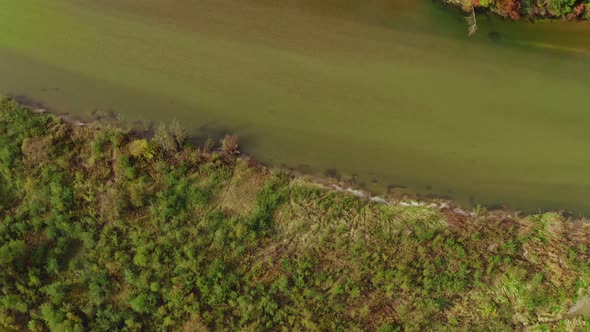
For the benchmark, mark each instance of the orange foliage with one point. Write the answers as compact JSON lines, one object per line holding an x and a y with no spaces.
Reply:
{"x":579,"y":9}
{"x":509,"y":8}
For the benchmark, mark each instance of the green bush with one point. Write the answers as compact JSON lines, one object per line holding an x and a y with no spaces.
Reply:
{"x":561,"y":7}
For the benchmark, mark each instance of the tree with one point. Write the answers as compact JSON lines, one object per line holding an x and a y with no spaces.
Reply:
{"x":143,"y":303}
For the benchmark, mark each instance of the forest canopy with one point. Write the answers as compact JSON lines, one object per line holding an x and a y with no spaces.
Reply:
{"x":517,"y":9}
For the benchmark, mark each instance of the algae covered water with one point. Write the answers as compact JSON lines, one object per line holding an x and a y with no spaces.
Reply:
{"x":392,"y":93}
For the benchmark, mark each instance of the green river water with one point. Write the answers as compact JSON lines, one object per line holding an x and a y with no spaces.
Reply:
{"x":391,"y":92}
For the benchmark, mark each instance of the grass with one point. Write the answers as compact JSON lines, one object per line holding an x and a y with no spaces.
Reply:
{"x":103,"y":231}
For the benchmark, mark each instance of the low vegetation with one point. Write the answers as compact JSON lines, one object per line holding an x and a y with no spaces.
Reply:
{"x":532,"y":9}
{"x":103,"y":231}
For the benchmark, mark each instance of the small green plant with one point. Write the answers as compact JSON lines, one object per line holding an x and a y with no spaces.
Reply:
{"x":139,"y":148}
{"x":229,"y":145}
{"x":170,"y":138}
{"x":177,"y":132}
{"x":209,"y":145}
{"x":164,"y":139}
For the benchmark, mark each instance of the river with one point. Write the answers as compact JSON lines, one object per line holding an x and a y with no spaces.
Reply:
{"x":392,"y":93}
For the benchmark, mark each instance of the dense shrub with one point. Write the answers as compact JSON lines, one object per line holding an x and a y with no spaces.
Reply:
{"x":97,"y":235}
{"x":532,"y":9}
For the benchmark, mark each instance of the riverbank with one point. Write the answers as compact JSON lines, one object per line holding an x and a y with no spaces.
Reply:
{"x":102,"y":230}
{"x":332,"y":180}
{"x":287,"y":88}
